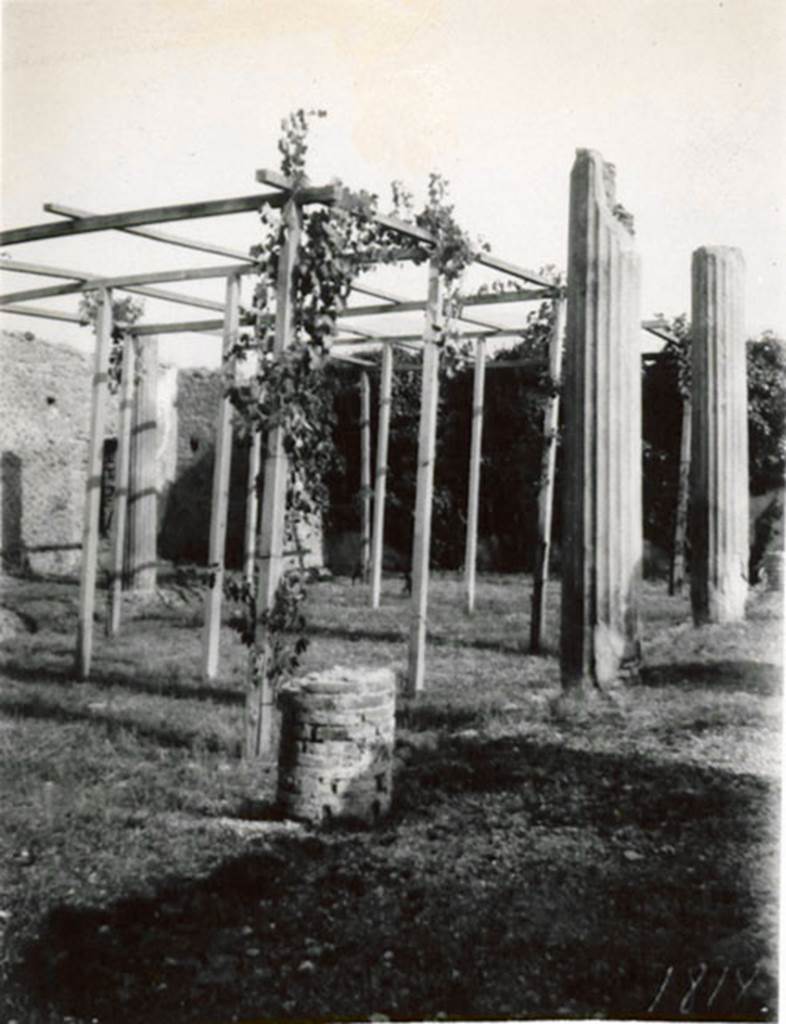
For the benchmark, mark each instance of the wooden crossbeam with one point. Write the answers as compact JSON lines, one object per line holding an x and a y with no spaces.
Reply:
{"x":504,"y":298}
{"x":126,"y":280}
{"x":658,"y":328}
{"x":45,"y":314}
{"x":191,"y":326}
{"x":398,"y":339}
{"x":41,"y":270}
{"x":353,"y":360}
{"x":373,"y":310}
{"x":275,"y":179}
{"x":514,"y":332}
{"x":377,"y":293}
{"x":156,"y":236}
{"x":513,"y":270}
{"x":162,"y":214}
{"x":344,"y":197}
{"x":21,"y":267}
{"x":409,"y":307}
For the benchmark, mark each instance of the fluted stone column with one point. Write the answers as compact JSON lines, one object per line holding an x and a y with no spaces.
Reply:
{"x":719,"y":455}
{"x":601,"y":491}
{"x":143,"y":499}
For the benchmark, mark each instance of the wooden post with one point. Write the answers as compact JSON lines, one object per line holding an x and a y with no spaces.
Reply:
{"x":122,"y":481}
{"x":252,"y":506}
{"x":380,"y":483}
{"x":259,"y":700}
{"x":476,"y":447}
{"x":87,"y":578}
{"x":220,"y":494}
{"x":427,"y":436}
{"x":677,"y":574}
{"x":540,"y":578}
{"x":365,"y":473}
{"x":143,"y":472}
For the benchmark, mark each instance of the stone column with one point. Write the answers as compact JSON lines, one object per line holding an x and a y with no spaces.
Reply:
{"x":719,"y":450}
{"x":602,"y":512}
{"x":143,"y":499}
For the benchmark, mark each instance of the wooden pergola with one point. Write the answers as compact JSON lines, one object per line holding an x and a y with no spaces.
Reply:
{"x":268,"y":554}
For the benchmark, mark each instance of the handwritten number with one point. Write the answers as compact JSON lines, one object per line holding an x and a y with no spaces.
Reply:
{"x":746,"y":985}
{"x":663,"y":986}
{"x":696,"y":978}
{"x":718,"y":987}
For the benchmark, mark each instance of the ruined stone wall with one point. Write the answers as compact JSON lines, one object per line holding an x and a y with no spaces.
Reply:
{"x":45,"y":398}
{"x":186,"y":524}
{"x":44,"y":427}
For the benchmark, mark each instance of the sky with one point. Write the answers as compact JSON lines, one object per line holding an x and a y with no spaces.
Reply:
{"x":110,"y":105}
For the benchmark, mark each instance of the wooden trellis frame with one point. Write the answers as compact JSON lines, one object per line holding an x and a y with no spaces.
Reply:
{"x":233,"y":316}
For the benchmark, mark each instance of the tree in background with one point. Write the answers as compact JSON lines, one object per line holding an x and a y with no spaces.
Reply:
{"x":512,"y":443}
{"x":665,"y":381}
{"x":512,"y":440}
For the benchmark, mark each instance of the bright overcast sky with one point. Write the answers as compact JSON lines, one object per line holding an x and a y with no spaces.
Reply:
{"x":117,"y":104}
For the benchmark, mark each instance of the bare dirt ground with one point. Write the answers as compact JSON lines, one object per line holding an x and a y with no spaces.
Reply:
{"x":541,"y":860}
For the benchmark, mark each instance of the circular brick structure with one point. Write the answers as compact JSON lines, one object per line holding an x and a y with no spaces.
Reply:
{"x":336,"y":752}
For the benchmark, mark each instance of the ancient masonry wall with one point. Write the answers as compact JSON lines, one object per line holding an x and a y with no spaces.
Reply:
{"x":186,"y":524}
{"x":336,"y":753}
{"x":44,"y":423}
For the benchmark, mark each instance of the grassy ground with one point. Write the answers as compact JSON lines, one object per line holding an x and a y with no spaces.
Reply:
{"x":542,"y":860}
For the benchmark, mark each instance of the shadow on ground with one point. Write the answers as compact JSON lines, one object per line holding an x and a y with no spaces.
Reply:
{"x":580,"y":884}
{"x":113,"y":723}
{"x":734,"y":676}
{"x":155,"y":685}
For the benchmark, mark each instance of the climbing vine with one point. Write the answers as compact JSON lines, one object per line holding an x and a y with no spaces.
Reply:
{"x":290,"y":390}
{"x":125,"y":312}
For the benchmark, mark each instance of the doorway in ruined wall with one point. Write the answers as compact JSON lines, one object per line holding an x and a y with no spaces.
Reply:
{"x":12,"y":550}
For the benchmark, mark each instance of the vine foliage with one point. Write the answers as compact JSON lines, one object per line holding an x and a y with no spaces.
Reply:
{"x":126,"y":311}
{"x":290,"y":389}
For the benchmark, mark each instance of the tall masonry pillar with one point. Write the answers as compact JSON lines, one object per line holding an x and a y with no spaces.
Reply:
{"x":719,"y":452}
{"x":601,"y":490}
{"x":143,"y":496}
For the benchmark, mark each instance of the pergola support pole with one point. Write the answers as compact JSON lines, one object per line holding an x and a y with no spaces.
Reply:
{"x":122,"y":483}
{"x":677,"y":573}
{"x":427,"y":435}
{"x":365,"y":473}
{"x":87,"y":578}
{"x":220,"y":494}
{"x":252,"y":507}
{"x":259,"y":693}
{"x":476,"y":446}
{"x":540,"y":577}
{"x":380,"y":483}
{"x":143,"y":482}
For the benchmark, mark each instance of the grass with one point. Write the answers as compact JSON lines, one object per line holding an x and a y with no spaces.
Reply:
{"x":541,"y":860}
